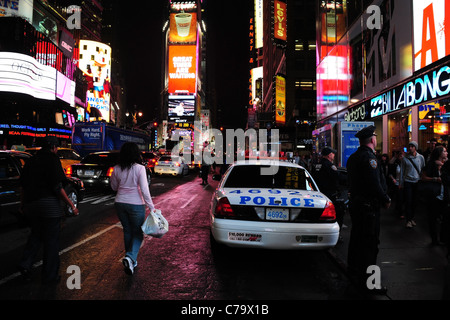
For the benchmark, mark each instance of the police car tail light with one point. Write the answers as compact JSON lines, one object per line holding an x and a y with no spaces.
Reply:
{"x":69,"y":171}
{"x":329,"y":213}
{"x":177,"y":164}
{"x":223,"y":208}
{"x":110,"y":171}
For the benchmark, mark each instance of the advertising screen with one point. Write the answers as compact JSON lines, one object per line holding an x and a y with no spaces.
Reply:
{"x":23,"y":74}
{"x":279,"y":19}
{"x":65,"y":89}
{"x":182,"y":69}
{"x":280,"y":99}
{"x":181,"y":110}
{"x":95,"y":62}
{"x":183,"y":27}
{"x":431,"y":36}
{"x":20,"y":8}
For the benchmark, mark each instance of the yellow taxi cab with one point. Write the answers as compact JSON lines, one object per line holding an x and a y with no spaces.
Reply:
{"x":67,"y":156}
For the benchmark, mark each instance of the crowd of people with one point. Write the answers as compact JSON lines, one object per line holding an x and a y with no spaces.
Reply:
{"x":412,"y":177}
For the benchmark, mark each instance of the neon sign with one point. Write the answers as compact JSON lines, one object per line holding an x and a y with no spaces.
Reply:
{"x":434,"y":84}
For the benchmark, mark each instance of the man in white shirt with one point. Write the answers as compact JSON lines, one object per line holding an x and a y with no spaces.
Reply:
{"x":412,"y":165}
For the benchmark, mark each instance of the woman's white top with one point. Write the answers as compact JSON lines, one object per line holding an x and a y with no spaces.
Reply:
{"x":131,"y":185}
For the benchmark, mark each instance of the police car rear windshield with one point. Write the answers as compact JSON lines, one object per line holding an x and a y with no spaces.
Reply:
{"x":249,"y":176}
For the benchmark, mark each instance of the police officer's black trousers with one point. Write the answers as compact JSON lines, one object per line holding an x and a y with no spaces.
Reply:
{"x":364,"y":239}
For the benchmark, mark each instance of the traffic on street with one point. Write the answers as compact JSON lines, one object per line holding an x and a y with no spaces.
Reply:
{"x":180,"y":266}
{"x":225,"y":158}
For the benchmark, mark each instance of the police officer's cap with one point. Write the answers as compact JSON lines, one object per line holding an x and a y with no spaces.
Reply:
{"x":366,"y":133}
{"x":327,"y":150}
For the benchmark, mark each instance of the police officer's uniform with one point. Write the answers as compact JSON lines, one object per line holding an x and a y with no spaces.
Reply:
{"x":368,"y":192}
{"x":327,"y":178}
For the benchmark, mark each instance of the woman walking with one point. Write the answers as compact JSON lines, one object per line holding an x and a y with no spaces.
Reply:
{"x":129,"y":179}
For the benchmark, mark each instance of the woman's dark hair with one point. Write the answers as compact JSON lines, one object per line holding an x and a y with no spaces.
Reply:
{"x":129,"y":155}
{"x":436,"y":153}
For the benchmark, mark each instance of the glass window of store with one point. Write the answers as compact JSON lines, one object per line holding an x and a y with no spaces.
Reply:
{"x":434,"y":123}
{"x":399,"y":126}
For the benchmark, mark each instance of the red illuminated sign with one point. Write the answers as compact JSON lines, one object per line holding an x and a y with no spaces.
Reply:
{"x":280,"y":17}
{"x":182,"y":69}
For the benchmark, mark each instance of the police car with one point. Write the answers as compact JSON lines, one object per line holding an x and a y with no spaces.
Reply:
{"x":271,"y":204}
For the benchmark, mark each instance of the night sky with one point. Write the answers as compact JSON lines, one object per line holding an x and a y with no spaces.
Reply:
{"x":141,"y":51}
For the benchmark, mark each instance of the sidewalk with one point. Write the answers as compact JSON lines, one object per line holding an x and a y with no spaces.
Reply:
{"x":411,"y":268}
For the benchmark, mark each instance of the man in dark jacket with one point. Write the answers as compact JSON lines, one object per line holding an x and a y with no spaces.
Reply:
{"x":368,"y":192}
{"x":327,"y":178}
{"x":42,"y":190}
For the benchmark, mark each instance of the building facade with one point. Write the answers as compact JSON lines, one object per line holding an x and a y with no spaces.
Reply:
{"x":384,"y":62}
{"x":282,"y":63}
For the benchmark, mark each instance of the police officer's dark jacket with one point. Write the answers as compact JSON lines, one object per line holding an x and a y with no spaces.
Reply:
{"x":366,"y":181}
{"x":327,"y":178}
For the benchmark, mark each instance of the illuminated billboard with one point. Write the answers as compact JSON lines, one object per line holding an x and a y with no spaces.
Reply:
{"x":17,"y":8}
{"x":259,"y":24}
{"x":280,"y":99}
{"x":65,"y":89}
{"x":183,"y":27}
{"x":181,"y":109}
{"x":20,"y":73}
{"x":182,"y":69}
{"x":431,"y":34}
{"x":280,"y":22}
{"x":95,"y":62}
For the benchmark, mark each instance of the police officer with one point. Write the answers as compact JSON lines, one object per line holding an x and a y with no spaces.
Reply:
{"x":368,"y":192}
{"x":327,"y":178}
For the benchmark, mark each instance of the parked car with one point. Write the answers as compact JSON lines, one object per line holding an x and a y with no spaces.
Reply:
{"x":66,"y":155}
{"x":172,"y":165}
{"x":11,"y":167}
{"x":96,"y":169}
{"x":279,"y":209}
{"x":150,"y":159}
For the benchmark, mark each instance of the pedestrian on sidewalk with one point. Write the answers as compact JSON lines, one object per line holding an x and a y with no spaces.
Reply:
{"x":42,"y":183}
{"x":434,"y":191}
{"x":394,"y":176}
{"x":129,"y":179}
{"x":412,"y":166}
{"x":368,"y":193}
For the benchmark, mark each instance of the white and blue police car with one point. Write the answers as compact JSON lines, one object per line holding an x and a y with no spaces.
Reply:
{"x":273,"y":205}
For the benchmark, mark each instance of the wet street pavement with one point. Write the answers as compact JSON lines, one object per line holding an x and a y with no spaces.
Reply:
{"x":178,"y":267}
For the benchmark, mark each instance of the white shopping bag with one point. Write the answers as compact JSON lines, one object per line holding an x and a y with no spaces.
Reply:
{"x":155,"y":225}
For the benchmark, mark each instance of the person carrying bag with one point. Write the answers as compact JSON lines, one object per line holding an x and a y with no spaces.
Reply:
{"x":129,"y":179}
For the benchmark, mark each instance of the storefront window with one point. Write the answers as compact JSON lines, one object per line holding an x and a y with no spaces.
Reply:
{"x":434,"y":122}
{"x":399,"y":127}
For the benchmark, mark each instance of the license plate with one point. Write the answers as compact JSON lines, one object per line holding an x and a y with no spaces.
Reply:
{"x":244,"y":236}
{"x":89,"y":173}
{"x":277,"y":214}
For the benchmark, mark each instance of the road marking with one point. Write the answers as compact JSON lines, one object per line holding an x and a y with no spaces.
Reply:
{"x":37,"y":264}
{"x":190,"y":200}
{"x":104,"y":199}
{"x":157,"y":185}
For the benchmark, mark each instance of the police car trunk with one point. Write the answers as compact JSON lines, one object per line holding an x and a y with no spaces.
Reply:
{"x":273,"y":206}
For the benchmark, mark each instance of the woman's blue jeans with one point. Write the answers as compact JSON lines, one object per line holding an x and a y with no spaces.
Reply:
{"x":132,"y":217}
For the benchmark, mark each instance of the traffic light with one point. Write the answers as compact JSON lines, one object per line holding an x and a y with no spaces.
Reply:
{"x":155,"y":124}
